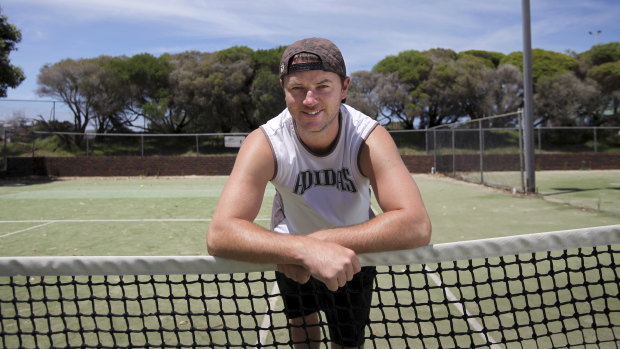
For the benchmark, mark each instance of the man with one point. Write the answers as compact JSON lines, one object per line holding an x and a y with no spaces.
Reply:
{"x":322,"y":156}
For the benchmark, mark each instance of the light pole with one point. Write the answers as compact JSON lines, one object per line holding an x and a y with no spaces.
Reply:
{"x":596,"y":35}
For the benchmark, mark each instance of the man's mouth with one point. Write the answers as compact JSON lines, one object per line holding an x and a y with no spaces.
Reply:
{"x":314,"y":112}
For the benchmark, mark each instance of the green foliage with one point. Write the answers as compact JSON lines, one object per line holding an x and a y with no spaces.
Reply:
{"x":237,"y":89}
{"x":545,"y":64}
{"x":10,"y":76}
{"x":55,"y":146}
{"x":412,"y":67}
{"x":268,"y":59}
{"x":607,"y":75}
{"x":489,"y":58}
{"x":234,"y":54}
{"x":601,"y":54}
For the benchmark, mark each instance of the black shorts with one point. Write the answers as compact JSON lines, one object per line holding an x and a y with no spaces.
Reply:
{"x":346,"y":310}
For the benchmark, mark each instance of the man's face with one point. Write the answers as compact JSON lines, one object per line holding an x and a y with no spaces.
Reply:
{"x":313,"y":98}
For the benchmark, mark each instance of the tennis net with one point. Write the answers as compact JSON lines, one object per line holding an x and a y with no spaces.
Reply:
{"x":554,"y":289}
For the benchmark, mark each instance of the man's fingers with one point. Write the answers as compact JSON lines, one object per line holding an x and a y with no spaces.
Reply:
{"x":295,"y":272}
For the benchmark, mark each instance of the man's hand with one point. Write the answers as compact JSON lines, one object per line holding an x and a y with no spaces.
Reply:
{"x":297,"y":273}
{"x":330,"y":263}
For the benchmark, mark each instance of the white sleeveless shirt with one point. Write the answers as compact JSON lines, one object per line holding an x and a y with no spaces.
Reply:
{"x":318,"y":192}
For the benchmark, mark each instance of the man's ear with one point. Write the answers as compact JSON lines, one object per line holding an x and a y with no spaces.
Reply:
{"x":345,"y":88}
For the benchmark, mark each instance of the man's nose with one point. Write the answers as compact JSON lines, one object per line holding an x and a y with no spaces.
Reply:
{"x":310,"y":99}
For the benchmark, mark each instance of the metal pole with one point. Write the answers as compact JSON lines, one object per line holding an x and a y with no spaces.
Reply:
{"x":435,"y":149}
{"x":453,"y":155}
{"x":595,"y":141}
{"x":481,"y":145}
{"x":521,"y":160}
{"x":528,"y":120}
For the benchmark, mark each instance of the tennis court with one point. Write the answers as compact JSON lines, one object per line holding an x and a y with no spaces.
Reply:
{"x":169,"y":217}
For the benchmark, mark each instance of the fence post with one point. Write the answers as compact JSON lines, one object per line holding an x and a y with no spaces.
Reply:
{"x":481,"y":141}
{"x":595,"y":141}
{"x":521,"y":149}
{"x":435,"y":149}
{"x":453,"y":154}
{"x":142,"y":145}
{"x":197,"y":146}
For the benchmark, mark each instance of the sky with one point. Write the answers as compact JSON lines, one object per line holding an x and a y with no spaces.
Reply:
{"x":365,"y":30}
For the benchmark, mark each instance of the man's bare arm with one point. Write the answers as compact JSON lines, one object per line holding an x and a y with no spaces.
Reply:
{"x":404,"y":222}
{"x":232,"y":233}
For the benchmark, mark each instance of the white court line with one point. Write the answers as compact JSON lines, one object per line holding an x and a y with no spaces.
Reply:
{"x":118,"y":220}
{"x":47,"y":222}
{"x":23,"y":230}
{"x":264,"y":326}
{"x":473,"y":322}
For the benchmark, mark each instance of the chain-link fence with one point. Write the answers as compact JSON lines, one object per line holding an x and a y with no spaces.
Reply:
{"x":484,"y":150}
{"x":487,"y":151}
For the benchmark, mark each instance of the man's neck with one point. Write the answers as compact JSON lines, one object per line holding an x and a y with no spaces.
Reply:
{"x":322,"y":143}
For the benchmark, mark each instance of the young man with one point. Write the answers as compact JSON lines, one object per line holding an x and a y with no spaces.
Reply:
{"x":322,"y":156}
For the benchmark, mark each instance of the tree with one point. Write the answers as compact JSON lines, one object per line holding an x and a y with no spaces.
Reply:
{"x":91,"y":90}
{"x":185,"y":105}
{"x":607,"y":75}
{"x":401,"y":93}
{"x":363,"y":95}
{"x":412,"y":67}
{"x":601,"y":54}
{"x":10,"y":76}
{"x":266,"y":94}
{"x":146,"y":79}
{"x":71,"y":82}
{"x":224,"y":84}
{"x":545,"y":64}
{"x":502,"y":89}
{"x":566,"y":100}
{"x":489,"y":58}
{"x":111,"y":97}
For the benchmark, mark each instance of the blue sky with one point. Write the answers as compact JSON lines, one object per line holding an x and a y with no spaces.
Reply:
{"x":365,"y":30}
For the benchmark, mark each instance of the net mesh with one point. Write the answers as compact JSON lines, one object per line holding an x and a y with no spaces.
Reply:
{"x":558,"y":289}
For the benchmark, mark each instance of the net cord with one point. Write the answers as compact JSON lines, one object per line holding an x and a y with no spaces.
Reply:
{"x":179,"y":265}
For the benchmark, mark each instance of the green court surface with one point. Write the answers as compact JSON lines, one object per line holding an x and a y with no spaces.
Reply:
{"x":170,"y":216}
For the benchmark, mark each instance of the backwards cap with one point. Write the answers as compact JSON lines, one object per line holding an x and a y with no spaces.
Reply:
{"x":328,"y":53}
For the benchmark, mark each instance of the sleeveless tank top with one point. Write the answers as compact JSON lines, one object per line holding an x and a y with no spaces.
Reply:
{"x":318,"y":192}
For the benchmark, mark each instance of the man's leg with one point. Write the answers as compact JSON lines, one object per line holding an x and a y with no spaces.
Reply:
{"x":347,"y":310}
{"x":305,"y":331}
{"x":301,"y":308}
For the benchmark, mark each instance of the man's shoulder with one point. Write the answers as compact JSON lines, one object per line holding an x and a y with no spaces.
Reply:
{"x":361,"y":122}
{"x":277,"y":123}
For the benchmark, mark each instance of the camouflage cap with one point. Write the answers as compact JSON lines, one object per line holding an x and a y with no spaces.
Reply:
{"x":330,"y":57}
